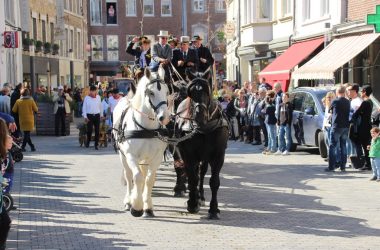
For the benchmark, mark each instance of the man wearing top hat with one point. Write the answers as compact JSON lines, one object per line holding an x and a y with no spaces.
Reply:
{"x":141,"y":53}
{"x":161,"y":54}
{"x":184,"y":58}
{"x":204,"y":57}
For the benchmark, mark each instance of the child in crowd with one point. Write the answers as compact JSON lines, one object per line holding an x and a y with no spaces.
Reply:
{"x":270,"y":122}
{"x":5,"y":221}
{"x":7,"y":166}
{"x":374,"y":153}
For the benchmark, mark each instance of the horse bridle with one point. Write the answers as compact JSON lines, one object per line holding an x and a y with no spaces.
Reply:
{"x":203,"y":83}
{"x":159,"y":82}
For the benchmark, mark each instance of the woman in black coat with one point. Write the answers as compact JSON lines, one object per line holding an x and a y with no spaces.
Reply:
{"x":363,"y":117}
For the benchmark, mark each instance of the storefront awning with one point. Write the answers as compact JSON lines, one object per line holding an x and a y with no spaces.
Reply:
{"x":334,"y":56}
{"x":279,"y":69}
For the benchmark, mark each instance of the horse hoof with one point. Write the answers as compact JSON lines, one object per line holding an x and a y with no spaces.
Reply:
{"x":193,"y":210}
{"x":136,"y":213}
{"x":148,"y":213}
{"x":212,"y":216}
{"x":127,"y":207}
{"x":203,"y":203}
{"x":179,"y":194}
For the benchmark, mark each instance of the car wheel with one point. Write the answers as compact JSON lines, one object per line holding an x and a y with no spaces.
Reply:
{"x":322,"y":145}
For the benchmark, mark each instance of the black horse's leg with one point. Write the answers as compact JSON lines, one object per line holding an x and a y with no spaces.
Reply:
{"x":192,"y":170}
{"x":216,"y":166}
{"x":203,"y":171}
{"x":180,"y":187}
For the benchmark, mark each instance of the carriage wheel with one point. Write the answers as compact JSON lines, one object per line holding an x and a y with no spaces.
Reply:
{"x":18,"y":156}
{"x":7,"y":202}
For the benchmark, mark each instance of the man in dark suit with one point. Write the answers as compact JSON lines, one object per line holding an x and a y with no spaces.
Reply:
{"x":184,"y":58}
{"x":204,"y":56}
{"x":162,"y":54}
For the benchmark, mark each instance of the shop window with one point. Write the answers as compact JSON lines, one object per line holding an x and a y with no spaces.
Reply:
{"x":130,"y":7}
{"x":111,"y":13}
{"x":112,"y":48}
{"x":148,"y":7}
{"x":43,"y":26}
{"x":306,"y":10}
{"x":97,"y":48}
{"x":166,"y":7}
{"x":96,"y":12}
{"x":9,"y":11}
{"x":263,"y":11}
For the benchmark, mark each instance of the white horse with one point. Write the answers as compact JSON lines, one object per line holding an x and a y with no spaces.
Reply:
{"x":141,"y":156}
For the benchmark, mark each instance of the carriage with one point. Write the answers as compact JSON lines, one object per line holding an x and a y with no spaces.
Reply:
{"x":142,"y":135}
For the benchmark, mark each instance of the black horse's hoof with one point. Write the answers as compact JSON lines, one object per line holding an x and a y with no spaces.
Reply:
{"x":136,"y":213}
{"x":193,"y":209}
{"x":213,"y":216}
{"x":148,"y":213}
{"x":127,"y":207}
{"x":179,"y":194}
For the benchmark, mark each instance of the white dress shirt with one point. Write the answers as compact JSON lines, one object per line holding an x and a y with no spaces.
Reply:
{"x":112,"y":102}
{"x":92,"y":106}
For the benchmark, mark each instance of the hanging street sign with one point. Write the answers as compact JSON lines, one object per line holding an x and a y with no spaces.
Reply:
{"x":375,"y":19}
{"x":10,"y":39}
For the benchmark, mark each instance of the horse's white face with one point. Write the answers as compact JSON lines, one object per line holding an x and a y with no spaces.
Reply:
{"x":156,"y":96}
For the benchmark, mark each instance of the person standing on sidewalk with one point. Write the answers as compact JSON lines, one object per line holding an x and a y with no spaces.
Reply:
{"x":5,"y":221}
{"x":285,"y":118}
{"x":271,"y":121}
{"x":26,"y":107}
{"x":374,"y":153}
{"x":340,"y":108}
{"x":61,"y":109}
{"x":92,"y":112}
{"x":14,"y":97}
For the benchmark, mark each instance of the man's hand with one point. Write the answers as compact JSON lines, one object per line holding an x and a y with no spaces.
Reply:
{"x":190,"y":64}
{"x":135,"y":39}
{"x":203,"y":60}
{"x":12,"y":127}
{"x":102,"y":118}
{"x":181,"y":63}
{"x":85,"y":120}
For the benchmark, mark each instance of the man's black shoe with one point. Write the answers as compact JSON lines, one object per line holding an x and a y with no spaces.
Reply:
{"x":33,"y":149}
{"x":87,"y":145}
{"x":96,"y":148}
{"x":343,"y":170}
{"x":329,"y":170}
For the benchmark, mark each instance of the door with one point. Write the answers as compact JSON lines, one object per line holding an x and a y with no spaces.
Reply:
{"x":310,"y":119}
{"x":298,"y":134}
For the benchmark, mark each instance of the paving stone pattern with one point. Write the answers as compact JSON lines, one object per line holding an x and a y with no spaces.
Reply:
{"x":71,"y":198}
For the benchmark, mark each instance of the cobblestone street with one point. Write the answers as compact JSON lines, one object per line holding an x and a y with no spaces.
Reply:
{"x":71,"y":198}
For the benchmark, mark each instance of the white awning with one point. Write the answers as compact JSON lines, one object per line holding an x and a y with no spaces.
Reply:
{"x":334,"y":56}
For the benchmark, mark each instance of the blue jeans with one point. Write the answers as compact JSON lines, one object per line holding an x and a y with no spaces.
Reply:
{"x":375,"y":163}
{"x":338,"y":138}
{"x":284,"y":133}
{"x":351,"y":149}
{"x":272,"y":137}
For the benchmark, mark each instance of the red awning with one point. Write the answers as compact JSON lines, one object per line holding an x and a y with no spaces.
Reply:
{"x":279,"y":69}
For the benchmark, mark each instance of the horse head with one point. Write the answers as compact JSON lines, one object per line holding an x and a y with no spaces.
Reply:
{"x":156,"y":96}
{"x":200,"y":93}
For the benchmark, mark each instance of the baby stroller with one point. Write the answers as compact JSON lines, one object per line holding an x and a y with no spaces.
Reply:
{"x":8,"y":202}
{"x":16,"y":150}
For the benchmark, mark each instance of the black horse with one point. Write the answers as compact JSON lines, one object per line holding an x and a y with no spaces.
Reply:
{"x":207,"y":145}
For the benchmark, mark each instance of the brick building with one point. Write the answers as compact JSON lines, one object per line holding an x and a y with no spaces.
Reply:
{"x":358,"y":9}
{"x":112,"y":24}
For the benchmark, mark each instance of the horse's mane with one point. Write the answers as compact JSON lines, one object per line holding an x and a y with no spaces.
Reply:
{"x":138,"y":98}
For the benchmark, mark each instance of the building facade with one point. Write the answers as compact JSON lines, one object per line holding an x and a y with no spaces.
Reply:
{"x":10,"y":56}
{"x":54,"y":45}
{"x":112,"y":24}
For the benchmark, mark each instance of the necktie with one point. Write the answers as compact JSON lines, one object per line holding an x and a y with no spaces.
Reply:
{"x":184,"y":55}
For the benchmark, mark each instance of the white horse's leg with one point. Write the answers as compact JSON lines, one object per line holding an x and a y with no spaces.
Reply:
{"x":127,"y":175}
{"x":138,"y":186}
{"x":149,"y":184}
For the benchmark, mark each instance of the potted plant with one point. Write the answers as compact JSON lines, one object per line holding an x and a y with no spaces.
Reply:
{"x":26,"y":43}
{"x":47,"y":47}
{"x":55,"y":49}
{"x":38,"y":46}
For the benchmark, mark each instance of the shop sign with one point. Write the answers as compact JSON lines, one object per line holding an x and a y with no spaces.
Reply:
{"x":229,"y":29}
{"x":375,"y":19}
{"x":10,"y":39}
